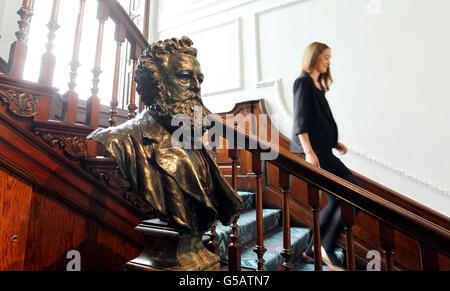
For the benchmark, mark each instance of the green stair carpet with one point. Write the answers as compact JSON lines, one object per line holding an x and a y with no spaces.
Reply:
{"x":273,"y":239}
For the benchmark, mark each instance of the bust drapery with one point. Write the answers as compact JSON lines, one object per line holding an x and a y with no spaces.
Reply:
{"x":184,"y":186}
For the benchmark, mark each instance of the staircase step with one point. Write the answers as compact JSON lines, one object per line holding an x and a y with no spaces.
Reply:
{"x":274,"y":244}
{"x":248,"y":199}
{"x":299,"y":265}
{"x":247,"y":229}
{"x":302,"y":267}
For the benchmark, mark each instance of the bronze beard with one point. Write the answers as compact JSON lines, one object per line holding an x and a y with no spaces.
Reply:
{"x":165,"y":109}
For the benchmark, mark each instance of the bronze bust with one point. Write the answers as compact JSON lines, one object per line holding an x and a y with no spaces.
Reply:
{"x":184,"y":186}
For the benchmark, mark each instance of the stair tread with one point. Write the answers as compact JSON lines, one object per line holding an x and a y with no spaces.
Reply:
{"x":273,"y":239}
{"x":248,"y":199}
{"x":271,"y":218}
{"x":273,"y":242}
{"x":304,"y":267}
{"x":246,"y":230}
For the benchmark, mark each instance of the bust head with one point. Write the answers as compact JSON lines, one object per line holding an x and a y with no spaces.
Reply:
{"x":169,"y":78}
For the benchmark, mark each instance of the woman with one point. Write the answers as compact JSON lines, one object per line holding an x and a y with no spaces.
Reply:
{"x":315,"y":134}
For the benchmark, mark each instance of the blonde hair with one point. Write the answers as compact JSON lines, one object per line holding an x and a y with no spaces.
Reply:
{"x":310,"y":57}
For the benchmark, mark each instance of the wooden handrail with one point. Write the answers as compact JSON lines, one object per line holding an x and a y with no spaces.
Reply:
{"x":121,"y":16}
{"x":433,"y":235}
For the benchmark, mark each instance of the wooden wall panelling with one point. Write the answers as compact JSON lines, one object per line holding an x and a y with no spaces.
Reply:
{"x":84,"y":240}
{"x":407,"y":252}
{"x":56,"y":229}
{"x":114,"y":251}
{"x":50,"y":234}
{"x":444,"y":262}
{"x":15,"y":200}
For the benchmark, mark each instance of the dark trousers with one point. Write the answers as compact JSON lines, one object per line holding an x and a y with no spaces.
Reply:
{"x":330,"y":217}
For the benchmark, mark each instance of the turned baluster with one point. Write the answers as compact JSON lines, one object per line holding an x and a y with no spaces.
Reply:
{"x":429,"y":258}
{"x":388,"y":244}
{"x":93,"y":103}
{"x":234,"y":249}
{"x":19,"y":48}
{"x":120,"y":35}
{"x":146,"y":19}
{"x":259,"y":249}
{"x":287,"y":252}
{"x":348,"y":219}
{"x":135,"y":53}
{"x":70,"y":106}
{"x":48,"y":58}
{"x":212,"y":245}
{"x":314,"y":203}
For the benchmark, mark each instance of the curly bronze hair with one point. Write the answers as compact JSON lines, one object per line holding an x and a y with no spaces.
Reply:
{"x":148,"y":77}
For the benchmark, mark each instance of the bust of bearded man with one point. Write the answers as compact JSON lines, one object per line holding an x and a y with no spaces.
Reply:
{"x":183,"y":185}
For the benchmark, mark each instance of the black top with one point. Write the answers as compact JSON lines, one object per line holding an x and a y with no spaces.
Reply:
{"x":312,"y":115}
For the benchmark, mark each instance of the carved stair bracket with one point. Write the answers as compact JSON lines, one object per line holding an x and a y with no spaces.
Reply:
{"x":111,"y":177}
{"x":107,"y":171}
{"x":138,"y":202}
{"x":22,"y":104}
{"x":73,"y":146}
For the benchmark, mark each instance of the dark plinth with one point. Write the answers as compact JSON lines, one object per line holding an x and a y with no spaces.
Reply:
{"x":168,"y":250}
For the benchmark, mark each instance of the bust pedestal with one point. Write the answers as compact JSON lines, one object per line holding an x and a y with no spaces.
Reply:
{"x":168,"y":250}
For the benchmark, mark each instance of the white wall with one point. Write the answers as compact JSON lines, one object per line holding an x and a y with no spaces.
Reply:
{"x":391,"y":96}
{"x":8,"y":25}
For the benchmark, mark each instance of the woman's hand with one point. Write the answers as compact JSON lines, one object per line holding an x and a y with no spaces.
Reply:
{"x":312,"y":159}
{"x":342,"y":149}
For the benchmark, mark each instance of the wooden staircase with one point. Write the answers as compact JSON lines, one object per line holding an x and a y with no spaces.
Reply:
{"x":61,"y":192}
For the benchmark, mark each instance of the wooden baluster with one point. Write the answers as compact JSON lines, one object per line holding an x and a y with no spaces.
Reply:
{"x":234,"y":249}
{"x":429,"y":258}
{"x":388,"y":244}
{"x":48,"y":58}
{"x":287,"y":252}
{"x":212,"y":245}
{"x":314,"y":202}
{"x":348,"y":219}
{"x":259,"y":249}
{"x":146,"y":18}
{"x":135,"y":53}
{"x":70,"y":106}
{"x":93,"y":103}
{"x":19,"y":48}
{"x":120,"y":35}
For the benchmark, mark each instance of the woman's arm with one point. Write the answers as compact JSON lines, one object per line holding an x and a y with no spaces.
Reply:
{"x":310,"y":156}
{"x":341,"y":148}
